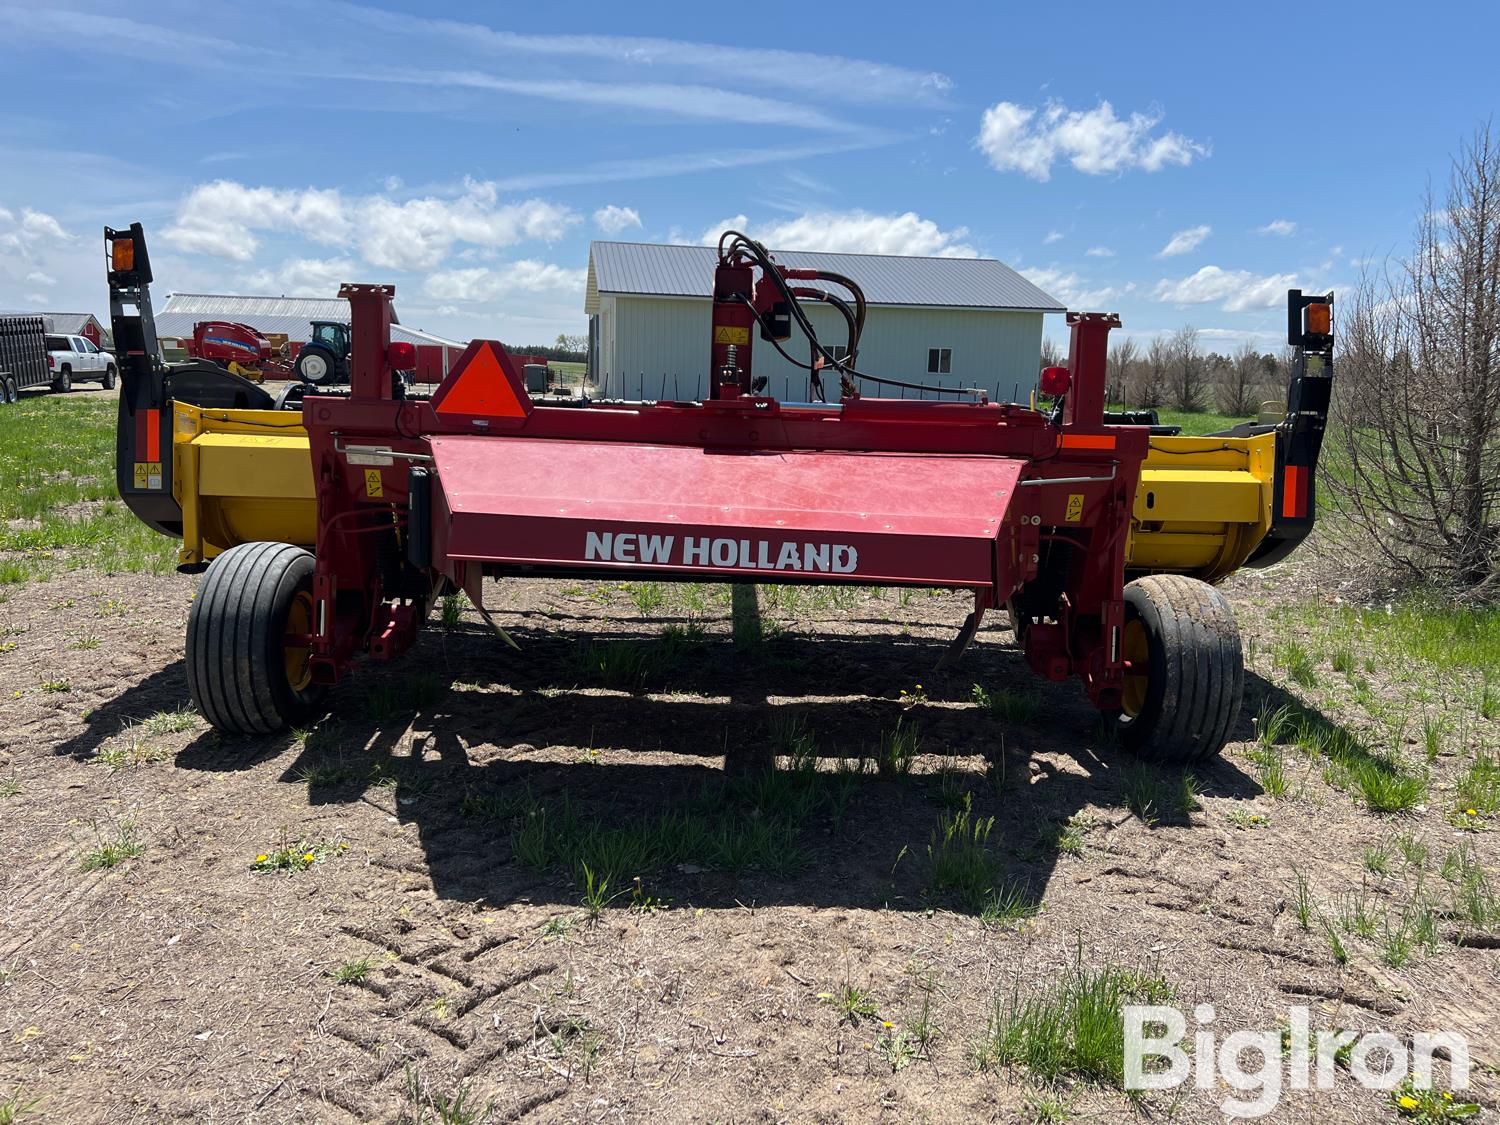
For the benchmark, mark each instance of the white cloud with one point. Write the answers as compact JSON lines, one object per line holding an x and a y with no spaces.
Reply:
{"x":33,"y":229}
{"x":1185,"y":241}
{"x":305,"y":277}
{"x":853,"y":232}
{"x":39,"y":224}
{"x":37,"y":277}
{"x":703,"y":103}
{"x":1073,"y":290}
{"x":1099,"y":252}
{"x":828,"y":76}
{"x":482,"y":283}
{"x":1239,"y":290}
{"x":1052,"y":236}
{"x":1282,"y":227}
{"x":1023,"y":139}
{"x":612,"y":219}
{"x":223,"y":218}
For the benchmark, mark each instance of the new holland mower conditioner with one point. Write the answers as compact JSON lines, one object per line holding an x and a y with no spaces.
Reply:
{"x":330,"y":531}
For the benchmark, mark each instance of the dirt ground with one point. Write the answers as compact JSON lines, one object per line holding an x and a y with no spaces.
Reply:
{"x":182,"y":985}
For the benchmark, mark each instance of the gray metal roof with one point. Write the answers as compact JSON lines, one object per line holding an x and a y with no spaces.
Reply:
{"x":291,"y":315}
{"x":63,"y":324}
{"x":649,"y":269}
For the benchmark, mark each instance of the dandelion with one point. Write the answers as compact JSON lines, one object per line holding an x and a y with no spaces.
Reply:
{"x":1471,"y":812}
{"x":307,"y":857}
{"x":1406,"y":1101}
{"x":262,"y":858}
{"x":888,"y":1023}
{"x":343,"y":847}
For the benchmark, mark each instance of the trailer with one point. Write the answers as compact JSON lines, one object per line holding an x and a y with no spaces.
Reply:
{"x":23,"y":356}
{"x":329,"y":537}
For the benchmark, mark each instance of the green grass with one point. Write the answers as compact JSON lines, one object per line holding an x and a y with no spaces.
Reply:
{"x":438,"y":1107}
{"x":16,"y":1106}
{"x":292,"y":857}
{"x":1018,"y":707}
{"x":1192,"y":422}
{"x":1302,"y":903}
{"x":960,"y":858}
{"x":1377,"y":859}
{"x":1152,"y":793}
{"x":749,"y":824}
{"x":1478,"y":789}
{"x":851,"y":1002}
{"x":1387,"y":788}
{"x":1270,"y":769}
{"x":176,"y":721}
{"x":59,"y":509}
{"x":1071,"y":1029}
{"x":635,"y":666}
{"x":898,"y":749}
{"x":1380,"y":779}
{"x":1298,"y":663}
{"x":114,"y":849}
{"x":352,"y":972}
{"x":1417,"y":628}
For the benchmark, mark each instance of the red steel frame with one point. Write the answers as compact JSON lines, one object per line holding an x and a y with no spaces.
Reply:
{"x":1056,"y":498}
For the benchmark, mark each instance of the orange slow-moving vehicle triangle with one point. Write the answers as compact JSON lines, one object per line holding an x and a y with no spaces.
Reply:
{"x":483,"y":386}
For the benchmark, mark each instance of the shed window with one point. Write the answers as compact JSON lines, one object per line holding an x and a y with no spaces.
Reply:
{"x":939,"y":361}
{"x":838,"y":351}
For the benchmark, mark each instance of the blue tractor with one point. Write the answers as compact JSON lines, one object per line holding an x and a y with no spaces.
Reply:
{"x":324,"y":360}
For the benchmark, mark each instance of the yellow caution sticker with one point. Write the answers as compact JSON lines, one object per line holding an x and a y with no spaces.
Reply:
{"x":1075,"y":507}
{"x":373,"y":486}
{"x":729,"y":334}
{"x":148,"y":474}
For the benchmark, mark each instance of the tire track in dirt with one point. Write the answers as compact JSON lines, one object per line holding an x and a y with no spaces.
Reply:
{"x":435,"y":1002}
{"x":38,"y":916}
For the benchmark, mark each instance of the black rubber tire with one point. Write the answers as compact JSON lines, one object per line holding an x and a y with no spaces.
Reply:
{"x":1196,"y":675}
{"x":9,"y":391}
{"x":330,"y":373}
{"x":235,"y":656}
{"x":64,"y":381}
{"x":108,"y":382}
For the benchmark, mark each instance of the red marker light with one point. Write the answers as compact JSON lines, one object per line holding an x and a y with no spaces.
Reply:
{"x":402,"y":356}
{"x":1055,"y":381}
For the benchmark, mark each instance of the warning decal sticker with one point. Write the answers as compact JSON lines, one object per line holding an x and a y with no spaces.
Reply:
{"x":148,"y":474}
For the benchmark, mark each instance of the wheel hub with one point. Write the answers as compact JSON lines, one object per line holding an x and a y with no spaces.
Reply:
{"x":297,"y":653}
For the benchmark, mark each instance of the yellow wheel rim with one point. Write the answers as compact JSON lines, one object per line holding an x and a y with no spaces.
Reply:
{"x":298,"y":657}
{"x":1135,"y":648}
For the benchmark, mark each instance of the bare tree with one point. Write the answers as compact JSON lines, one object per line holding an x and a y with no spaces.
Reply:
{"x":1419,"y":390}
{"x":1122,"y":354}
{"x":1239,"y":387}
{"x":1150,"y":389}
{"x":1052,"y":355}
{"x":1188,"y":382}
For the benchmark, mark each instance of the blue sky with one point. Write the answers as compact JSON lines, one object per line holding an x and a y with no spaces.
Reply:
{"x":1182,"y":164}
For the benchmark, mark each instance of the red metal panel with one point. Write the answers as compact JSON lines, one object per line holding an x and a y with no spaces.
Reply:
{"x":822,"y":516}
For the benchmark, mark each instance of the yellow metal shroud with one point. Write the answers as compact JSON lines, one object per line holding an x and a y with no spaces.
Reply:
{"x":1202,"y":506}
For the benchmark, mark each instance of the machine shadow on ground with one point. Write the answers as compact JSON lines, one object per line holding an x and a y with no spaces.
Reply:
{"x":770,"y":758}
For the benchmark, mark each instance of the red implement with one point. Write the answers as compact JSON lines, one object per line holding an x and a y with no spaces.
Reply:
{"x":418,"y":496}
{"x":687,"y":512}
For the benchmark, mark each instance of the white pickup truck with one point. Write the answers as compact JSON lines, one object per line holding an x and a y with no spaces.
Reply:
{"x":71,"y":358}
